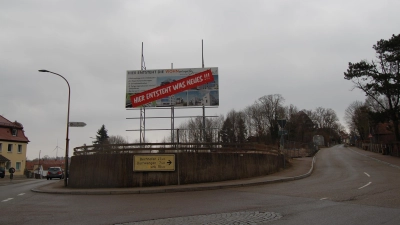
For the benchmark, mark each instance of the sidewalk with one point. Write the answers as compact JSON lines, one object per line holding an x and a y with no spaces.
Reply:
{"x":17,"y":179}
{"x":300,"y":168}
{"x":387,"y":159}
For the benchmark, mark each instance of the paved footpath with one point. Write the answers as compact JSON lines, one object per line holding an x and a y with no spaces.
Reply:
{"x":386,"y":159}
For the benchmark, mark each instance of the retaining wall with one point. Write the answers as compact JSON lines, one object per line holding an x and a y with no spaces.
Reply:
{"x":116,"y":170}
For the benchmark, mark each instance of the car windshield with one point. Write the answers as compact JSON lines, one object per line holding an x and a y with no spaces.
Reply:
{"x":54,"y":169}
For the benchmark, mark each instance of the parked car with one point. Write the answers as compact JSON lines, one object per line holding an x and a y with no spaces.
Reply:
{"x":55,"y":172}
{"x":2,"y":172}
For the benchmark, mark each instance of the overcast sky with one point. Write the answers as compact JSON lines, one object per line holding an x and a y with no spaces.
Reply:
{"x":298,"y":49}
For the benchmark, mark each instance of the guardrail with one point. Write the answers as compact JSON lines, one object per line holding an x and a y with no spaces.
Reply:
{"x":175,"y":148}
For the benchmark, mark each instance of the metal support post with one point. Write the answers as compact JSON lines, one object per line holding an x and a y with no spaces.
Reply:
{"x":172,"y":125}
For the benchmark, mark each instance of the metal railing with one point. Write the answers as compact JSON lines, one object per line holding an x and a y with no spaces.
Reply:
{"x":294,"y":149}
{"x":175,"y":148}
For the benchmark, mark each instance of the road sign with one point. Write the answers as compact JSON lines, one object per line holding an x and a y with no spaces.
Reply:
{"x":77,"y":124}
{"x":154,"y":162}
{"x":282,"y":123}
{"x":283,"y":132}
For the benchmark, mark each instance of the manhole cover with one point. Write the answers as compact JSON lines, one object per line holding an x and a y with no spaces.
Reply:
{"x":252,"y":217}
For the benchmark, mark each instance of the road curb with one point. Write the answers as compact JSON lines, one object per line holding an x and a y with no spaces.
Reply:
{"x":179,"y":189}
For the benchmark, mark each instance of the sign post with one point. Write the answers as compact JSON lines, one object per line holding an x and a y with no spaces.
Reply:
{"x":282,"y":132}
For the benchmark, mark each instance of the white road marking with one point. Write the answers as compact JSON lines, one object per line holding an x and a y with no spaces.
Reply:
{"x":323,"y":198}
{"x":21,"y":194}
{"x":364,"y":185}
{"x":8,"y":199}
{"x":367,"y":174}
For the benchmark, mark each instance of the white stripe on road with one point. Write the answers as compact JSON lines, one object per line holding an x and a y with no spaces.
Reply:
{"x":323,"y":198}
{"x":364,"y":185}
{"x":21,"y":194}
{"x":367,"y":174}
{"x":8,"y":199}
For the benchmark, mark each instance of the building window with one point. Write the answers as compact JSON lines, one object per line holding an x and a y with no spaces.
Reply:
{"x":1,"y":147}
{"x":19,"y":148}
{"x":18,"y":166}
{"x":9,"y":148}
{"x":14,"y":132}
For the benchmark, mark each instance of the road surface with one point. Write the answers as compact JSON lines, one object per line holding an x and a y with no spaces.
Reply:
{"x":346,"y":187}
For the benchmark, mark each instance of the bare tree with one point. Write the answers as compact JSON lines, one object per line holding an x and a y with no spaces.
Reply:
{"x":117,"y":139}
{"x":357,"y":118}
{"x":233,"y":129}
{"x":257,"y":121}
{"x":273,"y":110}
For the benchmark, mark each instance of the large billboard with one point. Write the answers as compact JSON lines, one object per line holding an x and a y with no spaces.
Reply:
{"x":172,"y":87}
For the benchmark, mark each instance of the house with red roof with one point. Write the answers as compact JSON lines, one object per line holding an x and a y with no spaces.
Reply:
{"x":13,"y":146}
{"x":383,"y":133}
{"x":38,"y":169}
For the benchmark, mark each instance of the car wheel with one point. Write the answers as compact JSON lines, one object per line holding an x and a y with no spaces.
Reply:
{"x":51,"y":178}
{"x":47,"y":178}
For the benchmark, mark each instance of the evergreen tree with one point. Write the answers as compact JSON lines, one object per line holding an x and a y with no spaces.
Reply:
{"x":380,"y":80}
{"x":227,"y":132}
{"x":102,"y":136}
{"x":241,"y":138}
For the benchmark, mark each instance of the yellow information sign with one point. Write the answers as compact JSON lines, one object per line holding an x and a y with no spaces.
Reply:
{"x":154,"y":162}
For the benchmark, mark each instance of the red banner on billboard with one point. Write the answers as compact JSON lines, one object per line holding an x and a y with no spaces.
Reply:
{"x":172,"y":88}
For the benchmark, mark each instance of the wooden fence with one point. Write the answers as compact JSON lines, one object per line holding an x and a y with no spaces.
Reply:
{"x":110,"y":166}
{"x":392,"y":149}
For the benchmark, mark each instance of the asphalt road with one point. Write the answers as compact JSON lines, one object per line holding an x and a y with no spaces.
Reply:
{"x":345,"y":188}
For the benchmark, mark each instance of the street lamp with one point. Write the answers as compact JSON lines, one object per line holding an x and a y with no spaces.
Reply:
{"x":38,"y":169}
{"x":67,"y":137}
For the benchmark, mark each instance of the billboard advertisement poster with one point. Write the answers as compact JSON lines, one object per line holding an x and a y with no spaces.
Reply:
{"x":172,"y":87}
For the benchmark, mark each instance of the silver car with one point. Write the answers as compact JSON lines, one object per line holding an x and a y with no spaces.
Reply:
{"x":55,"y":172}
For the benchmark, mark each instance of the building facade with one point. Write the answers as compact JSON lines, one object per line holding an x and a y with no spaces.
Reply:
{"x":13,"y":146}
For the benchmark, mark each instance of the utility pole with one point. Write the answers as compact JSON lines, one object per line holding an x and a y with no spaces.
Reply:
{"x":40,"y":175}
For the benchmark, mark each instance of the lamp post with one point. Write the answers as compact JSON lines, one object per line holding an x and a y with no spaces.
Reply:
{"x":38,"y":169}
{"x":67,"y":136}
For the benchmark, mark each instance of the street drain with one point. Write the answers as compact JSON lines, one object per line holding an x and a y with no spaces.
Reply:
{"x":237,"y":218}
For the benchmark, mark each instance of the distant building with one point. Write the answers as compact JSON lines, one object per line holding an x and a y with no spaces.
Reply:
{"x":209,"y":100}
{"x":209,"y":86}
{"x":383,"y":133}
{"x":167,"y":101}
{"x":195,"y":101}
{"x":39,"y":169}
{"x":13,"y":146}
{"x":319,"y":140}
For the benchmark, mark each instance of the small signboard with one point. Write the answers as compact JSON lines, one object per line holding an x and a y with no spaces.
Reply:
{"x":77,"y":124}
{"x":283,"y":132}
{"x":154,"y":162}
{"x":282,"y":123}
